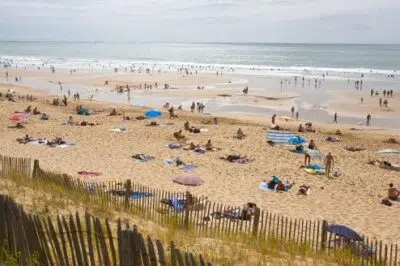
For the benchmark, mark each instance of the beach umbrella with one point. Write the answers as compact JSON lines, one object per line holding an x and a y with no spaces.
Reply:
{"x":296,"y":140}
{"x":313,"y":153}
{"x":17,"y":117}
{"x":153,"y":114}
{"x":344,"y":231}
{"x":188,"y":180}
{"x":388,"y":152}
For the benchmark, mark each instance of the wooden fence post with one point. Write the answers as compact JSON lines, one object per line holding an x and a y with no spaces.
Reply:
{"x":35,"y":168}
{"x":256,"y":221}
{"x":324,"y":234}
{"x":128,"y":192}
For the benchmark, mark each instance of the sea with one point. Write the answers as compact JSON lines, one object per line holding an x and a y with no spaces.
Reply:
{"x":341,"y":64}
{"x":245,"y":58}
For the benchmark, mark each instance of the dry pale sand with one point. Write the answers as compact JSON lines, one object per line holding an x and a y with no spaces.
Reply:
{"x":352,"y":199}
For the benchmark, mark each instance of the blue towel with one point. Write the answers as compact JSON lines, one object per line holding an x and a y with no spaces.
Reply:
{"x":188,"y":167}
{"x":177,"y":205}
{"x":139,"y":195}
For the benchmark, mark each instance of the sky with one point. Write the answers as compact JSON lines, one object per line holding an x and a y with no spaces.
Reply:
{"x":298,"y":21}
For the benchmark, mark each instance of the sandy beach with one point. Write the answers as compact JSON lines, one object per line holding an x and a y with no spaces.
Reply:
{"x":352,"y":199}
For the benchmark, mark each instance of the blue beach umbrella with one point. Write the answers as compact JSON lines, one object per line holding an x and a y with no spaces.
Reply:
{"x":153,"y":114}
{"x":296,"y":140}
{"x":344,"y":231}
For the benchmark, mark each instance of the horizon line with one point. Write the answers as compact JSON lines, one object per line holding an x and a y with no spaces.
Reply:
{"x":194,"y":42}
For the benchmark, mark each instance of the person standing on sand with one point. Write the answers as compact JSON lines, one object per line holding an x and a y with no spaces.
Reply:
{"x":380,"y":102}
{"x":297,"y":115}
{"x":368,"y":119}
{"x":329,"y":163}
{"x":192,"y":107}
{"x":372,"y":92}
{"x":302,"y":82}
{"x":273,"y":119}
{"x":385,"y":103}
{"x":292,"y":110}
{"x":362,"y":100}
{"x":7,"y":75}
{"x":281,"y":84}
{"x":335,"y":118}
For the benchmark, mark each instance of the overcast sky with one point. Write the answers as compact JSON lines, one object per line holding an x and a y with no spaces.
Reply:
{"x":343,"y":21}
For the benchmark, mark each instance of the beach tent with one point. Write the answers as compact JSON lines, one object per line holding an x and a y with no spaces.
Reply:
{"x":280,"y":137}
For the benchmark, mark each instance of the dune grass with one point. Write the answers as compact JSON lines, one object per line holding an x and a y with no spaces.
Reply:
{"x":47,"y":198}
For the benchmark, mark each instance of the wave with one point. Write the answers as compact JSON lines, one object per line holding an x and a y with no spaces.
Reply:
{"x":101,"y":64}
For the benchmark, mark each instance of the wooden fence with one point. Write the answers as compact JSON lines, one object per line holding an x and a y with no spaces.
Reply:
{"x":207,"y":218}
{"x":76,"y":240}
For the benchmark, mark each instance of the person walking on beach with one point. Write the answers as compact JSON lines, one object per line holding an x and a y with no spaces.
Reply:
{"x":368,"y":119}
{"x":192,"y":107}
{"x":292,"y":110}
{"x":372,"y":92}
{"x":7,"y":75}
{"x":297,"y":115}
{"x":329,"y":163}
{"x":273,"y":119}
{"x":380,"y":102}
{"x":302,"y":82}
{"x":281,"y":84}
{"x":335,"y":118}
{"x":362,"y":100}
{"x":384,"y":93}
{"x":315,"y":85}
{"x":385,"y":103}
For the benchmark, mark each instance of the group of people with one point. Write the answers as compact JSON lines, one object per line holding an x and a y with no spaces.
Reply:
{"x":200,"y":107}
{"x":386,"y":93}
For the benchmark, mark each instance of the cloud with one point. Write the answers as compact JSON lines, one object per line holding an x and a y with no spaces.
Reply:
{"x":201,"y":20}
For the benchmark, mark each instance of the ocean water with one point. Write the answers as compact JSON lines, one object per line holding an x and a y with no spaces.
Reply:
{"x":248,"y":58}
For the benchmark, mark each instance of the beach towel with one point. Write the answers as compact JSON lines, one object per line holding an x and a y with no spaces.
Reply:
{"x":174,"y":145}
{"x":315,"y":169}
{"x":188,"y":167}
{"x":177,"y":204}
{"x":65,"y":145}
{"x":280,"y":137}
{"x":119,"y":129}
{"x":141,"y":158}
{"x":83,"y":111}
{"x":140,"y":195}
{"x":264,"y":186}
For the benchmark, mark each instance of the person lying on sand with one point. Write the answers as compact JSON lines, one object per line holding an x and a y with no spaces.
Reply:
{"x":393,"y":193}
{"x":191,"y":146}
{"x":178,"y":135}
{"x":25,"y":140}
{"x":332,"y":139}
{"x":44,"y":117}
{"x":35,"y":111}
{"x":237,"y":159}
{"x":304,"y":190}
{"x":17,"y":126}
{"x":153,"y":124}
{"x":56,"y":141}
{"x":353,"y":148}
{"x":240,"y":134}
